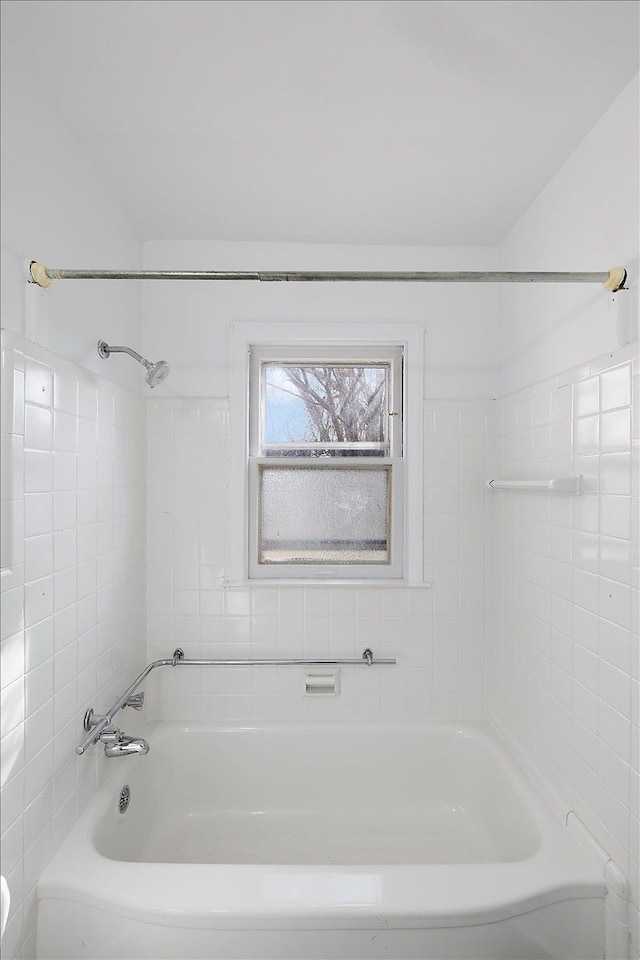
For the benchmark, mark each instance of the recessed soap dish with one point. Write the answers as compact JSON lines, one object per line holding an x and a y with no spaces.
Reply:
{"x":325,"y":684}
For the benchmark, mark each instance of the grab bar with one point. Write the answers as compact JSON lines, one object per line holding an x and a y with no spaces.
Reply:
{"x":366,"y":658}
{"x":94,"y":724}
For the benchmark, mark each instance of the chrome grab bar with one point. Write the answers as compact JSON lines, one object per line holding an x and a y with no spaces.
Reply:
{"x":94,"y":723}
{"x":366,"y":658}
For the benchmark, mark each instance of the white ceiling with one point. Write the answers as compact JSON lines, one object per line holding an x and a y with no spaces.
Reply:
{"x":348,"y":121}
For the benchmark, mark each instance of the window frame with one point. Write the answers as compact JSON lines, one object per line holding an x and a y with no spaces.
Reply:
{"x":256,"y":343}
{"x":260,"y":355}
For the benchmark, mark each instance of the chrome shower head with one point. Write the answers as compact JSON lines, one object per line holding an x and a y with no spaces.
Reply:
{"x":156,"y":372}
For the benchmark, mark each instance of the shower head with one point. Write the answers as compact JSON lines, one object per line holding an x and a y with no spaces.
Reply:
{"x":156,"y":372}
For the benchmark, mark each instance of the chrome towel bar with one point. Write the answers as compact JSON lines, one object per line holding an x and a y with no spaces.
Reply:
{"x":95,"y":724}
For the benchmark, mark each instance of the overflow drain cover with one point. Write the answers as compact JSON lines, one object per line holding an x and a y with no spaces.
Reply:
{"x":125,"y":797}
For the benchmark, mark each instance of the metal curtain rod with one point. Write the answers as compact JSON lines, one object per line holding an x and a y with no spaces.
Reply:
{"x":611,"y":280}
{"x":94,"y":725}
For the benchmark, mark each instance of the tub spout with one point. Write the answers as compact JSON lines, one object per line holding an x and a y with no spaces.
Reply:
{"x":118,"y":744}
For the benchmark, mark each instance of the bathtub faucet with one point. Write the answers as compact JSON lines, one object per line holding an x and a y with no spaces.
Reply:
{"x":118,"y":744}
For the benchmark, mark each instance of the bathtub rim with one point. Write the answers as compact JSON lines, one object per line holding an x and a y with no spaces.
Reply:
{"x":399,"y":908}
{"x":399,"y":895}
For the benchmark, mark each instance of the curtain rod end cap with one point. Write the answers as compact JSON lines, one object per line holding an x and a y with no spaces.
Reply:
{"x":615,"y":280}
{"x":38,"y":274}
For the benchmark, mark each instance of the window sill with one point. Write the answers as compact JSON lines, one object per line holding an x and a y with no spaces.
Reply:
{"x":372,"y":584}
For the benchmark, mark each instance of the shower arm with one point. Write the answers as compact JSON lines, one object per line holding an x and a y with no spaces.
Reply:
{"x":105,"y":350}
{"x":611,"y":280}
{"x":94,"y":723}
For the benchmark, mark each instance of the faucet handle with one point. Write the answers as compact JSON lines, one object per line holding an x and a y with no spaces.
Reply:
{"x":136,"y":701}
{"x":110,"y":735}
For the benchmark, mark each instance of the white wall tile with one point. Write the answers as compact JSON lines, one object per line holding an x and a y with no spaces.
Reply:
{"x":12,"y":612}
{"x":616,"y":387}
{"x":572,"y":715}
{"x":614,"y":602}
{"x":87,"y":400}
{"x":319,"y":621}
{"x":561,"y":403}
{"x":13,"y":706}
{"x":615,"y":688}
{"x":38,"y":557}
{"x":39,"y":651}
{"x":65,"y":392}
{"x":65,"y":432}
{"x":38,"y":429}
{"x":64,"y":510}
{"x":39,"y":686}
{"x":586,"y":398}
{"x":38,"y":600}
{"x":616,"y":473}
{"x":64,"y":588}
{"x":615,"y":516}
{"x":615,"y":559}
{"x":38,"y":470}
{"x":561,"y":438}
{"x":38,"y":731}
{"x":64,"y":471}
{"x":615,"y":430}
{"x":586,"y":435}
{"x":38,"y":514}
{"x":615,"y":644}
{"x":64,"y":549}
{"x":38,"y":386}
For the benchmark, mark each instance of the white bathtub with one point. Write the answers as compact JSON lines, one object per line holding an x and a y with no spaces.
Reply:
{"x":413,"y":841}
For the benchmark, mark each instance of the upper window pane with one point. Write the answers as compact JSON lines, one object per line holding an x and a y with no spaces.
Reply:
{"x":331,"y":409}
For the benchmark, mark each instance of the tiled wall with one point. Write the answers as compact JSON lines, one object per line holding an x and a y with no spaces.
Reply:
{"x":558,"y":591}
{"x":72,"y":609}
{"x":458,"y":452}
{"x":436,"y":633}
{"x":564,"y":649}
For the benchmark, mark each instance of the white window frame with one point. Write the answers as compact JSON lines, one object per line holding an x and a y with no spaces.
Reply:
{"x":393,"y":462}
{"x":335,"y":341}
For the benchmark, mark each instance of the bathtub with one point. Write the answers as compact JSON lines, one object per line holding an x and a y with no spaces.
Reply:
{"x":363,"y":840}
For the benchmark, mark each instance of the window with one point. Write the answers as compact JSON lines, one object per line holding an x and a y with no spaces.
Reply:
{"x":326,"y":452}
{"x":325,"y":460}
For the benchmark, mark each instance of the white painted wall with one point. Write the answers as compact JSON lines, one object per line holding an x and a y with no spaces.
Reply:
{"x":57,"y":209}
{"x":585,"y":219}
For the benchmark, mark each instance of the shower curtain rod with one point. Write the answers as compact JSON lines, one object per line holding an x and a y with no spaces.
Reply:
{"x":611,"y":280}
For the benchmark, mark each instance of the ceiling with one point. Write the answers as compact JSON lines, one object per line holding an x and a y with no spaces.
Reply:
{"x":328,"y":121}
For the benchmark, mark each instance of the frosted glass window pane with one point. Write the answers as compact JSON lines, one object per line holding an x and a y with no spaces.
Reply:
{"x":324,"y":515}
{"x":324,"y":403}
